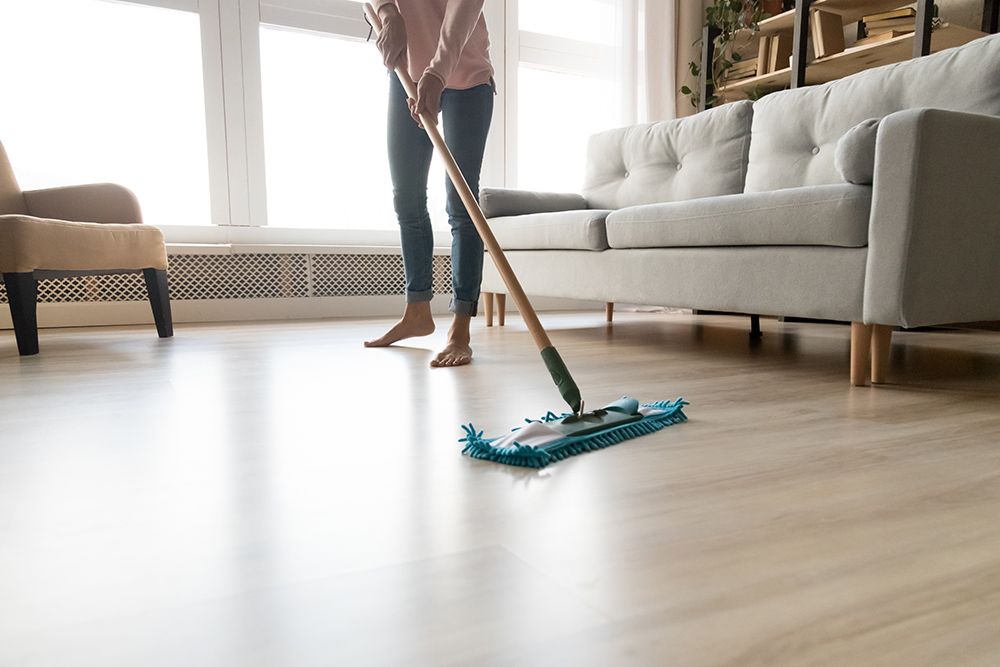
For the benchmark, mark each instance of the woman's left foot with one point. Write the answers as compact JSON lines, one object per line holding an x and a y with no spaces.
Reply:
{"x":455,"y":353}
{"x":458,"y":351}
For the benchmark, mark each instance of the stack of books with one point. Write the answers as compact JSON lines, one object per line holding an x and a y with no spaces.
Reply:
{"x":743,"y":69}
{"x":893,"y":23}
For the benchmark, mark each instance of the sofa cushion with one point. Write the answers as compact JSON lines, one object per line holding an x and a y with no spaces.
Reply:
{"x":563,"y":230}
{"x":854,"y":157}
{"x":697,"y":156}
{"x":500,"y":202}
{"x":28,"y":243}
{"x":795,"y":131}
{"x":826,"y":215}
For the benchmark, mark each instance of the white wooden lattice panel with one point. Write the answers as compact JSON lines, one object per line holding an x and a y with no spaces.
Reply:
{"x":251,"y":276}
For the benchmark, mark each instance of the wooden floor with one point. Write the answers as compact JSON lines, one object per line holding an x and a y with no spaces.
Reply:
{"x":273,"y":494}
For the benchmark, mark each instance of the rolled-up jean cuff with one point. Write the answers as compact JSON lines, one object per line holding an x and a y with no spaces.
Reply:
{"x":418,"y":297}
{"x":459,"y":307}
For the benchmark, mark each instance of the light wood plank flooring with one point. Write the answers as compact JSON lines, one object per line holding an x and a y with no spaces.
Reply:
{"x":273,"y":494}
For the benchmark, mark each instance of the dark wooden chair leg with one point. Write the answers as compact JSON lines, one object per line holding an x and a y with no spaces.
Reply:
{"x":755,"y":333}
{"x":159,"y":299}
{"x":22,"y":293}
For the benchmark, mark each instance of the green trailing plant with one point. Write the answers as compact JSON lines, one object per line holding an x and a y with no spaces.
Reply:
{"x":734,"y":22}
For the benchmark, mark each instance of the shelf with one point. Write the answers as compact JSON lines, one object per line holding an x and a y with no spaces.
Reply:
{"x":778,"y":78}
{"x":777,"y":23}
{"x":851,"y":11}
{"x":894,"y":50}
{"x":854,"y":60}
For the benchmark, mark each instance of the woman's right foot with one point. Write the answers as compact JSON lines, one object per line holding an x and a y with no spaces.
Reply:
{"x":416,"y":322}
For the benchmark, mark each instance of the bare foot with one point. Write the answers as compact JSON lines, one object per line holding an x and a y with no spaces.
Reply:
{"x":457,"y":352}
{"x":417,"y":321}
{"x":453,"y":354}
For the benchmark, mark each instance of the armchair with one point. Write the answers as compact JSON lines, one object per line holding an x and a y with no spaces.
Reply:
{"x":74,"y":231}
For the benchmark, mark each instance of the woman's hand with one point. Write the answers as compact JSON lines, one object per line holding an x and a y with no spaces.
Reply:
{"x":429,"y":90}
{"x":392,"y":38}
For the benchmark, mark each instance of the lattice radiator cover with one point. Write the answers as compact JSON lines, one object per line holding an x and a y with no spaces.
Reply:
{"x":251,"y":276}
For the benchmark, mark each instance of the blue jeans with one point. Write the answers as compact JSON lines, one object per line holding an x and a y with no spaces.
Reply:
{"x":466,"y":116}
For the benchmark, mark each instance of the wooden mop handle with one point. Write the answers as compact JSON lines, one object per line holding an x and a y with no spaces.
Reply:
{"x":471,"y":204}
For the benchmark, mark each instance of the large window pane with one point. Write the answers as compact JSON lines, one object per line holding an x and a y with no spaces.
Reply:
{"x":105,"y":91}
{"x":584,"y":20}
{"x":556,"y":115}
{"x":324,"y":134}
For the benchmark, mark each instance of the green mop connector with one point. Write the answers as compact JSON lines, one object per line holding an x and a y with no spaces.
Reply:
{"x":564,"y":381}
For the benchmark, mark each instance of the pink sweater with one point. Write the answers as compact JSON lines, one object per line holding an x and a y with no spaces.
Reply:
{"x":447,"y":38}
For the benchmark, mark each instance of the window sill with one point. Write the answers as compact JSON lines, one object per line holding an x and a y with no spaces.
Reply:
{"x":219,"y":235}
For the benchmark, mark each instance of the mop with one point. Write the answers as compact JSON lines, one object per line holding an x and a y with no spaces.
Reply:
{"x":554,"y":436}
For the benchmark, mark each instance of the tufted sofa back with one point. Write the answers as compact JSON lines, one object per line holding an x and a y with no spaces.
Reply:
{"x":796,"y":131}
{"x":687,"y":158}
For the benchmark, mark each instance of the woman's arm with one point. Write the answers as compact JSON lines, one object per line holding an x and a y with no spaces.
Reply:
{"x":460,"y":19}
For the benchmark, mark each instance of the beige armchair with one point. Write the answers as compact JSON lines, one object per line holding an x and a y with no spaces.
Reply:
{"x":74,"y":231}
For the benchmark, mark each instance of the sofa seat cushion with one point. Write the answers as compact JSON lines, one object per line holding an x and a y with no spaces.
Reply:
{"x":826,"y":215}
{"x":28,"y":243}
{"x":563,"y":230}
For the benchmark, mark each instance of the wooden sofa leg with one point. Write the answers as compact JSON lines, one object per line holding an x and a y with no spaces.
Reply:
{"x":487,"y":298}
{"x":501,"y":309}
{"x":609,"y":312}
{"x":861,"y":344}
{"x":159,"y":300}
{"x":755,"y":333}
{"x":22,"y":295}
{"x":881,"y":342}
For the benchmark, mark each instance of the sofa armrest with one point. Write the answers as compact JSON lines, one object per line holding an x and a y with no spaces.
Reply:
{"x":934,"y":234}
{"x":99,"y":202}
{"x":501,"y":202}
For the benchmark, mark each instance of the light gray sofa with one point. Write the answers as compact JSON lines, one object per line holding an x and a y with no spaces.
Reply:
{"x":747,"y":207}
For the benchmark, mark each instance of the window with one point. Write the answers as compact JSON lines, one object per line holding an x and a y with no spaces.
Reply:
{"x":557,"y":112}
{"x":584,"y":20}
{"x":324,"y":100}
{"x":203,"y":107}
{"x":107,"y":91}
{"x":567,"y":88}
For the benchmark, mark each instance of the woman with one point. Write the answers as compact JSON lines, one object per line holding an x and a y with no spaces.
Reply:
{"x":444,"y":46}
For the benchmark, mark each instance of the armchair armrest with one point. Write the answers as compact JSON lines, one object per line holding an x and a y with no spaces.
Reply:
{"x":100,"y":202}
{"x":934,"y":233}
{"x":501,"y":202}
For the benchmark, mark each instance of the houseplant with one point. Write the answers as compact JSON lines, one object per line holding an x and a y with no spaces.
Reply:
{"x":734,"y":22}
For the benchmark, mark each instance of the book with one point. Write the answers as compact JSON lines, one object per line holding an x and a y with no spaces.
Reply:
{"x":827,"y":33}
{"x":881,"y":37}
{"x":736,"y":76}
{"x":744,"y":66}
{"x":872,"y":32}
{"x":902,"y":12}
{"x":732,"y":78}
{"x":891,"y":23}
{"x":763,"y":55}
{"x":780,"y":52}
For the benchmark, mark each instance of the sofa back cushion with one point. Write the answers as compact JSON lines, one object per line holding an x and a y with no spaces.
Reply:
{"x":11,"y":199}
{"x":697,"y":156}
{"x":795,"y":132}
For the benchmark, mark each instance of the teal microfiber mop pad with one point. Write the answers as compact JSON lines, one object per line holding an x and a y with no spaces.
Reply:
{"x":556,"y":437}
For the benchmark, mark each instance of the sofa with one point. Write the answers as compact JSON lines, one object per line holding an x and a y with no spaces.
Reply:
{"x":873,"y":199}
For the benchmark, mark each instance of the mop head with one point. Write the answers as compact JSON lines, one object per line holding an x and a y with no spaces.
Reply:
{"x":556,"y":437}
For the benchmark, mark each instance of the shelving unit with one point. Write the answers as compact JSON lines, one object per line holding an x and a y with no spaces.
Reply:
{"x":854,"y":59}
